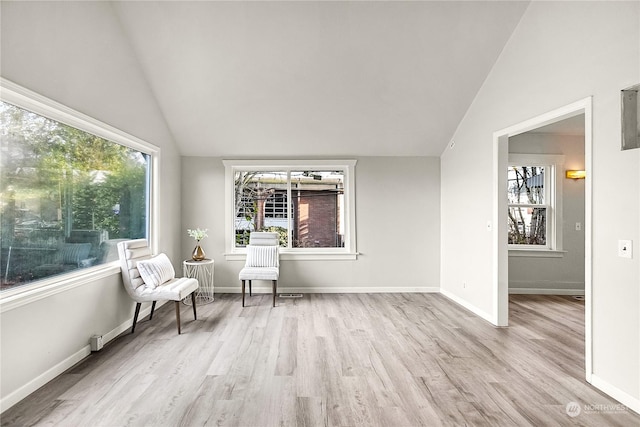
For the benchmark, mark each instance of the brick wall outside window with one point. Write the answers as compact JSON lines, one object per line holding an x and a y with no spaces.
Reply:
{"x":316,"y":219}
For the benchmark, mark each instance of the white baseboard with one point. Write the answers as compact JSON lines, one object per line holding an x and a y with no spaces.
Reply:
{"x":331,"y":289}
{"x":12,"y":398}
{"x":472,"y":308}
{"x":16,"y":396}
{"x":126,"y":325}
{"x":625,"y":398}
{"x":545,"y":291}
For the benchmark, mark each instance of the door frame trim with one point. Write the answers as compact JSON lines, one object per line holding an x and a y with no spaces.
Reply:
{"x":500,"y":251}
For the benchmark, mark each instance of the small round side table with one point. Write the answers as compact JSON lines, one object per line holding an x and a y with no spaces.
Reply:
{"x":203,"y":272}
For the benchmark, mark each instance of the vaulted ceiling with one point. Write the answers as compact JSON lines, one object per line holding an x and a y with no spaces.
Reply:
{"x":316,"y":78}
{"x":322,"y":78}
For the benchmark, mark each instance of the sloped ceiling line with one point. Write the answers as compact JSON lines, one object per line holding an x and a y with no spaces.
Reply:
{"x":238,"y":79}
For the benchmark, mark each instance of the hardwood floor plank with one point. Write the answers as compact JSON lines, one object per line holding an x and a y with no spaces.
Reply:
{"x":311,"y":412}
{"x":334,"y":360}
{"x":287,"y":348}
{"x":43,"y":403}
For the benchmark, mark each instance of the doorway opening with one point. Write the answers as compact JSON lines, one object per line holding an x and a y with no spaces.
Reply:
{"x":501,"y":209}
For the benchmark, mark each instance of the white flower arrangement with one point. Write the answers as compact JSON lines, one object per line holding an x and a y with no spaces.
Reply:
{"x":197,"y":234}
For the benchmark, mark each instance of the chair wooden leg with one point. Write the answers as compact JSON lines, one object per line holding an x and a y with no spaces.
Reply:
{"x":153,"y":307}
{"x":275,"y":290}
{"x":243,"y":293}
{"x":250,"y":288}
{"x":193,"y":303}
{"x":135,"y":317}
{"x":178,"y":315}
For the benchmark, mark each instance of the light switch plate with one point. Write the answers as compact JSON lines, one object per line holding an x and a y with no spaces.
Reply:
{"x":625,"y":248}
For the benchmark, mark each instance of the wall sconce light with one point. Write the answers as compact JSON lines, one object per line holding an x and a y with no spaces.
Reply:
{"x":572,"y":174}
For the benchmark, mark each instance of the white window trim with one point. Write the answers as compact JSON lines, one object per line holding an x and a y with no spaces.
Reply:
{"x":536,"y":253}
{"x":345,"y":253}
{"x":24,"y":98}
{"x":553,"y":191}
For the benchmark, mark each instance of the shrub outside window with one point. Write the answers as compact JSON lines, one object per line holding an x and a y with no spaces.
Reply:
{"x":67,"y":197}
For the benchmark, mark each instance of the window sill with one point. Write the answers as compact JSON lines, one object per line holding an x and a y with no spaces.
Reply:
{"x":26,"y":294}
{"x":536,"y":253}
{"x":306,"y":256}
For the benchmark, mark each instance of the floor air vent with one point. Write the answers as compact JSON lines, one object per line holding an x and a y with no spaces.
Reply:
{"x":290,"y":295}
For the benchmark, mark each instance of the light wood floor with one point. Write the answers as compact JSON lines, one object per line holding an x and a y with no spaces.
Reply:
{"x":336,"y":360}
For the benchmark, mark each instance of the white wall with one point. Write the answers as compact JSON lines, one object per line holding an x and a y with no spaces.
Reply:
{"x":560,"y":52}
{"x":565,"y":274}
{"x":71,"y":52}
{"x":397,"y":224}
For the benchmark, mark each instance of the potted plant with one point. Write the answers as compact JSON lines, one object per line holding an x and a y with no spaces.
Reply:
{"x":197,"y":234}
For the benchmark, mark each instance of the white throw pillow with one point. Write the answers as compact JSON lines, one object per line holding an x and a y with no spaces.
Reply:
{"x":262,"y":256}
{"x":156,"y":271}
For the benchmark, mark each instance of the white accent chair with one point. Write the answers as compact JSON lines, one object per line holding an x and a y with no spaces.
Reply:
{"x":262,"y":262}
{"x":131,"y":252}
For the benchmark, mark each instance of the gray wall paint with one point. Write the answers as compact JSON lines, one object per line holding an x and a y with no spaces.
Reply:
{"x":38,"y":336}
{"x":553,"y":275}
{"x":560,"y":52}
{"x":397,"y":224}
{"x":41,"y":44}
{"x":554,"y":58}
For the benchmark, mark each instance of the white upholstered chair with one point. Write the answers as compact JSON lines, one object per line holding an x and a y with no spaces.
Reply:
{"x":262,"y":262}
{"x":149,"y":279}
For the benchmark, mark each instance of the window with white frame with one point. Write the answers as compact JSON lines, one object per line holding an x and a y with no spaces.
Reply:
{"x":67,"y":194}
{"x":534,"y":194}
{"x":308,"y":203}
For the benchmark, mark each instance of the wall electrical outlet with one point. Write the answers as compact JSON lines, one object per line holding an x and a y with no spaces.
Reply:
{"x":625,"y":248}
{"x":578,"y":226}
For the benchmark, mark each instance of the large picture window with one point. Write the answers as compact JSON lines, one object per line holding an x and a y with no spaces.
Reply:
{"x":67,"y":197}
{"x":309,"y":204}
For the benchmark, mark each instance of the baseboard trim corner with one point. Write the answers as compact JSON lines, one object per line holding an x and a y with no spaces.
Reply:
{"x":472,"y":308}
{"x":623,"y":397}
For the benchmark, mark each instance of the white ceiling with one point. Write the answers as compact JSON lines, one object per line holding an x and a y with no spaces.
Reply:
{"x":573,"y":126}
{"x":316,"y":78}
